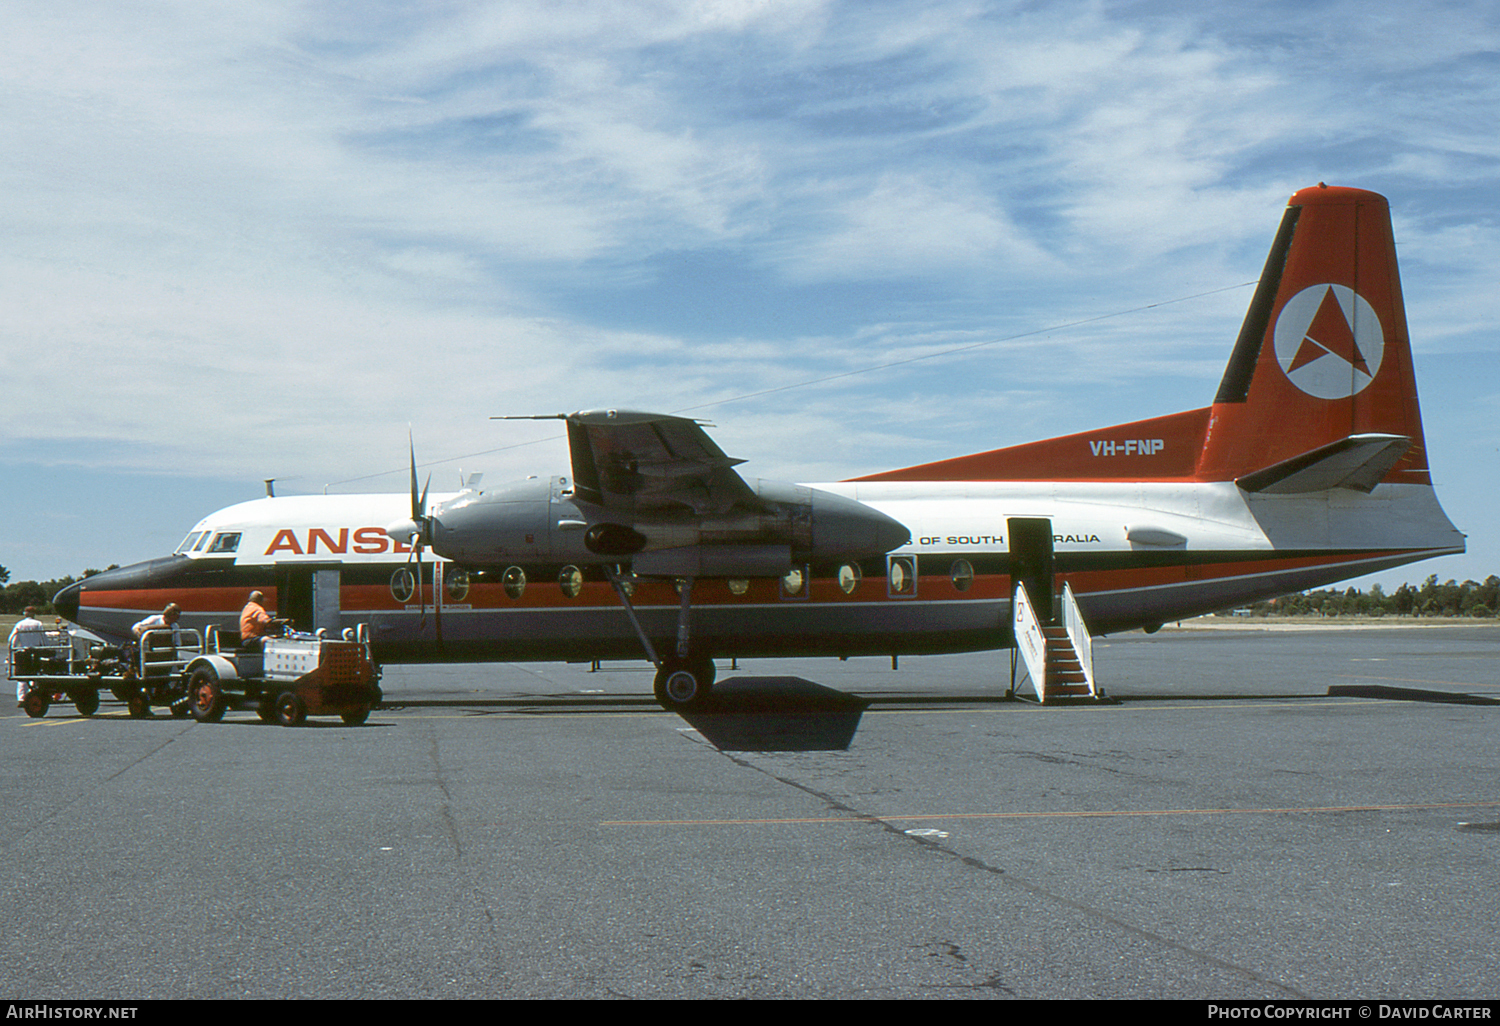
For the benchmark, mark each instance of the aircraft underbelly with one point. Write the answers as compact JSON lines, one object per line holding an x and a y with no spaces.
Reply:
{"x":791,"y":629}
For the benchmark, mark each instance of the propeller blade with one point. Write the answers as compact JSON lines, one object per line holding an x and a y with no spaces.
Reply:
{"x":421,"y":594}
{"x":419,"y":522}
{"x":416,"y":509}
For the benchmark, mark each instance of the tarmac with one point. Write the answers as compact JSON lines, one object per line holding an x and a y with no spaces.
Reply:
{"x":1225,"y":828}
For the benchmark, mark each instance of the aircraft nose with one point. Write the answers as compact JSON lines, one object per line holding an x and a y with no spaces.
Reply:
{"x":66,"y":601}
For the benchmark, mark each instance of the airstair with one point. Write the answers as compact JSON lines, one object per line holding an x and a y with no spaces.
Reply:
{"x":1058,"y":656}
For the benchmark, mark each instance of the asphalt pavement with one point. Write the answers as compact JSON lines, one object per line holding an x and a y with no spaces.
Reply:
{"x":1225,"y":829}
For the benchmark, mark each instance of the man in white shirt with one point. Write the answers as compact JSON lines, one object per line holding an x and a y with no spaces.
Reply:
{"x":27,"y":633}
{"x":166,"y":618}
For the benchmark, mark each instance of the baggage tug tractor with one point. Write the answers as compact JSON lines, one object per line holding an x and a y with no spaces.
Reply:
{"x":286,"y":680}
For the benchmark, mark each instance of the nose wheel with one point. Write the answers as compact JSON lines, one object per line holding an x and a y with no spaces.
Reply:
{"x":683,"y":683}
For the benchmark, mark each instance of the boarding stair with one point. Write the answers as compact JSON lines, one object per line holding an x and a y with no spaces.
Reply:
{"x":1058,"y":655}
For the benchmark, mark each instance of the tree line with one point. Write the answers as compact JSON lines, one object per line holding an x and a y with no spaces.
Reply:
{"x":1471,"y":598}
{"x":14,"y":598}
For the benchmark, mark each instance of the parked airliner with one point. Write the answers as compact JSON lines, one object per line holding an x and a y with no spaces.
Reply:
{"x":1309,"y":467}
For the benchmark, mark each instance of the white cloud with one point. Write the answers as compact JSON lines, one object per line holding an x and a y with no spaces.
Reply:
{"x":911,"y":225}
{"x":311,"y":224}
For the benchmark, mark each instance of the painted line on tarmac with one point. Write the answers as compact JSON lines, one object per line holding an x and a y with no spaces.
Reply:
{"x":62,"y":721}
{"x":1131,"y":703}
{"x":1419,"y":680}
{"x":1080,"y":814}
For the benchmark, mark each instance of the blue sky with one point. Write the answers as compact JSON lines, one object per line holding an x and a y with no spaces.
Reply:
{"x":250,"y":240}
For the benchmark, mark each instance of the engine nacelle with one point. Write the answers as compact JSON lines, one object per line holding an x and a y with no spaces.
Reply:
{"x":509,"y":524}
{"x":543,"y":521}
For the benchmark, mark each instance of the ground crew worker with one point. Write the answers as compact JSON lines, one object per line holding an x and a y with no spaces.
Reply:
{"x":255,"y":622}
{"x":166,"y":618}
{"x":26,"y":634}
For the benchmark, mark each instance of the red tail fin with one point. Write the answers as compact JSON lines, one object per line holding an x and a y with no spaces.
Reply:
{"x":1319,"y":391}
{"x":1323,"y":355}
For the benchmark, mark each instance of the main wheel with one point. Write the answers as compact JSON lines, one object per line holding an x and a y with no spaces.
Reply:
{"x":290,"y":712}
{"x":86,"y":702}
{"x":683,"y":683}
{"x":206,"y":698}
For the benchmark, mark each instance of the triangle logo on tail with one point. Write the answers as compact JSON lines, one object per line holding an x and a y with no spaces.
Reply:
{"x":1329,"y":341}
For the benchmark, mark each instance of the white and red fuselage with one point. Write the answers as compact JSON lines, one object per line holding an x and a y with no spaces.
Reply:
{"x":1310,"y":467}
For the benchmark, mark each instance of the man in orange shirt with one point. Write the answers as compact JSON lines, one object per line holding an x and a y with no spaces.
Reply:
{"x":255,"y":622}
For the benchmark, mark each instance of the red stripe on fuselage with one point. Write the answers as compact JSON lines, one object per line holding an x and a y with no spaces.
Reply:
{"x":192,"y":599}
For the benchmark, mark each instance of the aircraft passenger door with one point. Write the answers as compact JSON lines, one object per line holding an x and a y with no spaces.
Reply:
{"x":325,"y":587}
{"x":308,"y":597}
{"x":1031,"y":561}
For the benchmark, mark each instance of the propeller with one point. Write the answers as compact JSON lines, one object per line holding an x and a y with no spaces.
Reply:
{"x":416,"y":531}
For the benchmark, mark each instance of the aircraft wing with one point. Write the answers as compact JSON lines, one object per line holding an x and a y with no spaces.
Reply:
{"x":650,"y":463}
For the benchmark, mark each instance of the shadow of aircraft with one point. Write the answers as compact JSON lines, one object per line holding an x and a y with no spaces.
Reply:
{"x":776,"y":714}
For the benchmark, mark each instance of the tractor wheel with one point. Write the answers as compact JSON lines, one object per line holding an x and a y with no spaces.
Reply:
{"x":290,"y":712}
{"x":206,"y":698}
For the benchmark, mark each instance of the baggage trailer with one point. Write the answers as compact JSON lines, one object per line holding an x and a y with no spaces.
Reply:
{"x":69,"y":665}
{"x":285,"y":680}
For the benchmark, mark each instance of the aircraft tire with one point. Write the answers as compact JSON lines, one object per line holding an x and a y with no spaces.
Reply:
{"x":86,"y":702}
{"x":290,"y":712}
{"x":683,"y":683}
{"x":206,"y":698}
{"x":36,"y":702}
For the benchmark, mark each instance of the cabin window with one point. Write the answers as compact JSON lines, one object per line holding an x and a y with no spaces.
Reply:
{"x":456,"y":584}
{"x":849,"y":578}
{"x":403,"y":585}
{"x":962,"y":573}
{"x":514,"y":581}
{"x":738,"y":586}
{"x":901,"y":576}
{"x":794,"y":584}
{"x":570,"y":580}
{"x":229,"y":541}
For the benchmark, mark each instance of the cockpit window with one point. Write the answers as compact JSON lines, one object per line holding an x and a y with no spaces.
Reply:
{"x":203,"y":541}
{"x":190,"y":541}
{"x":226,"y":542}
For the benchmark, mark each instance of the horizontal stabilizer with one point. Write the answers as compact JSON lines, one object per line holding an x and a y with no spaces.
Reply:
{"x":1358,"y":462}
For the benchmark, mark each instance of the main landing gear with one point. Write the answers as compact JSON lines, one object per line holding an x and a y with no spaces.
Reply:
{"x":683,"y":679}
